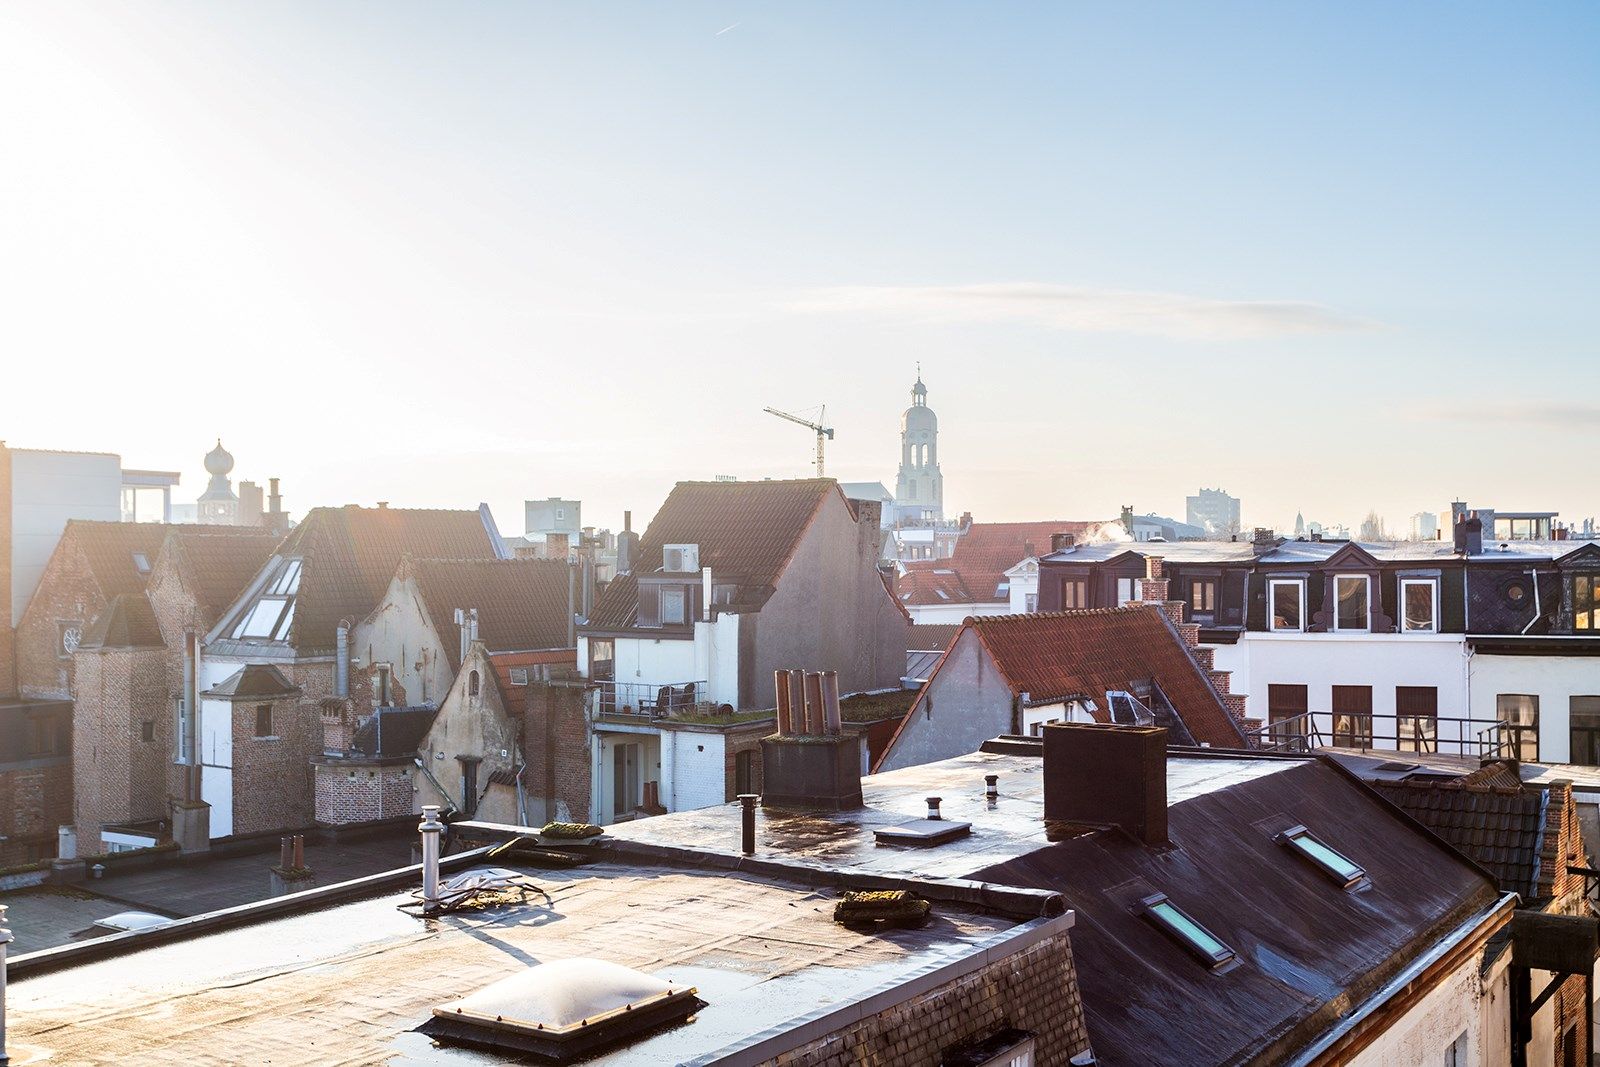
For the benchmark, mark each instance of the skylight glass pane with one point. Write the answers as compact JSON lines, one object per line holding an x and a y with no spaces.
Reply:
{"x":288,"y":619}
{"x":1180,"y":924}
{"x":1325,"y":857}
{"x":288,"y":580}
{"x":263,"y":618}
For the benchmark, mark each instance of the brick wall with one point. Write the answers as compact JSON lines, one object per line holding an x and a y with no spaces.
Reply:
{"x":351,"y":792}
{"x":736,"y":741}
{"x":117,"y":775}
{"x":272,"y":777}
{"x":67,"y":593}
{"x":1562,"y":849}
{"x":1036,"y":990}
{"x":34,"y":801}
{"x":555,"y":745}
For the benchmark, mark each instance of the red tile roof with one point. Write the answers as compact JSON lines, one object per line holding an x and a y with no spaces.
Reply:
{"x":982,"y":556}
{"x":505,"y":661}
{"x":746,"y":532}
{"x":522,"y":603}
{"x":350,"y":555}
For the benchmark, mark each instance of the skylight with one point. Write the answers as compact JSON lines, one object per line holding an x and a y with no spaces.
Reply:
{"x":563,"y":1010}
{"x":1194,"y":938}
{"x":270,"y":617}
{"x":1332,"y":863}
{"x":141,"y":563}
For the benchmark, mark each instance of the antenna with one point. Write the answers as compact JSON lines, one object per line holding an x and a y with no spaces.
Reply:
{"x":823,"y":432}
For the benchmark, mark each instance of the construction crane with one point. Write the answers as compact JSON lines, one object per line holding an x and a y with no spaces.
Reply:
{"x":822,"y":432}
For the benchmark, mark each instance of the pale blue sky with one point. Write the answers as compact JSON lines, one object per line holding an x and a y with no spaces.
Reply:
{"x":1330,"y":257}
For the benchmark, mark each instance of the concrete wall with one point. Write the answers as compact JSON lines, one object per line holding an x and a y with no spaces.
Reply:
{"x":47,"y":489}
{"x":965,"y":704}
{"x":1464,"y":1002}
{"x":401,"y":634}
{"x":1553,"y":679}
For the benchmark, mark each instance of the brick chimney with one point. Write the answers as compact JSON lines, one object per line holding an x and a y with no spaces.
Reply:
{"x":1469,"y":533}
{"x":1063,"y":542}
{"x":1107,"y":776}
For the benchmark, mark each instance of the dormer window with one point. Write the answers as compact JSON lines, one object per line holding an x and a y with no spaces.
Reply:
{"x":672,"y":606}
{"x":141,"y":563}
{"x":1190,"y":935}
{"x":1352,"y":599}
{"x":1419,"y":605}
{"x":1203,"y":597}
{"x":1286,"y":598}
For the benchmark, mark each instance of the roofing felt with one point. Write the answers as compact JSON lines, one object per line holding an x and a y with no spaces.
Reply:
{"x":126,"y":622}
{"x":348,"y":983}
{"x":389,"y":732}
{"x":746,"y":532}
{"x":522,"y":603}
{"x":350,"y":555}
{"x":982,"y":556}
{"x":1055,"y":655}
{"x":253,"y":680}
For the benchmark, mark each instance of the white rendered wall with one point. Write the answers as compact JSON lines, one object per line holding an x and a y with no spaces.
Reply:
{"x":216,"y":763}
{"x":954,"y":612}
{"x":47,"y":489}
{"x":694,"y":772}
{"x":654,"y":662}
{"x":1553,"y":679}
{"x":1463,"y":1002}
{"x":1024,"y":582}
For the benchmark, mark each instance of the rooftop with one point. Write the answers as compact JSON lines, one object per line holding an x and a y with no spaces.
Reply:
{"x":977,"y":568}
{"x":521,"y":603}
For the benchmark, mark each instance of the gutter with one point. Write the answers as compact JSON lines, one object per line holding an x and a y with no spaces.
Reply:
{"x":1357,"y":1027}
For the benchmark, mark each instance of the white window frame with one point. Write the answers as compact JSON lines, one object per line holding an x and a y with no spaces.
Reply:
{"x":1366,"y":582}
{"x":1132,"y":587}
{"x":1272,"y":605}
{"x":1433,"y":583}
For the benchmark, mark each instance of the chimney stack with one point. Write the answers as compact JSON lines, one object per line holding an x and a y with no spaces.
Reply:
{"x":627,"y":544}
{"x":1063,"y":542}
{"x":1107,"y":776}
{"x":810,"y":762}
{"x":1469,"y":534}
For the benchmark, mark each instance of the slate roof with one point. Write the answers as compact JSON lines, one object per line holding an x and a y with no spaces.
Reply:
{"x":401,"y":729}
{"x":746,"y":532}
{"x":1063,"y":654}
{"x":350,"y":555}
{"x":127,"y":622}
{"x":1499,"y":824}
{"x":217,"y":562}
{"x":522,"y":603}
{"x":982,"y":556}
{"x":253,"y":680}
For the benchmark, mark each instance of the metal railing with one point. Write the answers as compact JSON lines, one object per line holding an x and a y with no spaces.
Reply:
{"x":647,"y":701}
{"x":1422,"y":734}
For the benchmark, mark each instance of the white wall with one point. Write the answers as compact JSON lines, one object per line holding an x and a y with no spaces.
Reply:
{"x":47,"y":489}
{"x":694,"y":771}
{"x":1024,"y":579}
{"x":400,"y":633}
{"x":1464,"y":1002}
{"x":216,"y":763}
{"x":954,"y":612}
{"x":1553,"y":679}
{"x":654,"y":661}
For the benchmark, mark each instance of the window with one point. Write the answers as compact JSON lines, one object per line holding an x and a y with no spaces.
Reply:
{"x":381,"y":685}
{"x":1007,"y":1047}
{"x":1286,"y":604}
{"x":68,"y":635}
{"x":1585,"y":727}
{"x":1352,"y":716}
{"x":1074,"y":593}
{"x":1334,"y":864}
{"x":1520,"y":713}
{"x":1455,"y":1054}
{"x":1127,"y":590}
{"x":472,"y":684}
{"x":1350,"y":593}
{"x":1194,"y":938}
{"x":141,"y":563}
{"x":1419,"y":605}
{"x":1286,"y":711}
{"x":1203,"y":596}
{"x":1586,"y":602}
{"x":519,"y":676}
{"x":263,"y":618}
{"x":1417,"y":718}
{"x":672,"y":606}
{"x":147,"y":731}
{"x":561,"y":513}
{"x":264,"y":720}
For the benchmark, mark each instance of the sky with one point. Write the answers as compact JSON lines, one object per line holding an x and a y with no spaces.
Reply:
{"x":1330,"y":257}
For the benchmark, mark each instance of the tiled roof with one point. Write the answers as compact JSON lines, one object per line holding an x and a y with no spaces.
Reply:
{"x":350,"y":555}
{"x":259,"y":680}
{"x":126,"y":622}
{"x":108,"y":547}
{"x":505,"y":662}
{"x":1086,"y":653}
{"x":933,"y":636}
{"x":746,"y":532}
{"x":217,"y":562}
{"x":982,"y":556}
{"x":1499,"y":826}
{"x":522,"y":603}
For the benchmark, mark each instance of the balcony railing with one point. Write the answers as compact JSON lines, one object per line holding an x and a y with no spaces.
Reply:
{"x":1431,"y":734}
{"x":633,"y":699}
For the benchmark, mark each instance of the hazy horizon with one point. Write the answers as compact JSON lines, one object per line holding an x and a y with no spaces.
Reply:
{"x":1329,"y":260}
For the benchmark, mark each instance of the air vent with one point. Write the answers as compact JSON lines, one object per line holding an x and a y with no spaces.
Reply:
{"x":680,"y":559}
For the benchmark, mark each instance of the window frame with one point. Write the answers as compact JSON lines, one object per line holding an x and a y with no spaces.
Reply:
{"x":682,"y":595}
{"x":271,"y":733}
{"x":1296,"y":838}
{"x":1299,"y":585}
{"x":1150,"y":909}
{"x":1590,"y":729}
{"x":1586,"y":618}
{"x":1519,"y":731}
{"x":1416,"y":743}
{"x":1366,"y":604}
{"x":1209,"y":586}
{"x":1361,"y":735}
{"x":1080,"y":594}
{"x":1433,"y":606}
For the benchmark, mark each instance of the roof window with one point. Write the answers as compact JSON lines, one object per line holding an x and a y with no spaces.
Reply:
{"x":1194,"y":938}
{"x":1334,"y":864}
{"x":563,"y":1010}
{"x":141,"y":563}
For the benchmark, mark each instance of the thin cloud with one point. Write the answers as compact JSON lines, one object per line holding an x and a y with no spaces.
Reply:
{"x":1535,"y":412}
{"x":1086,"y":309}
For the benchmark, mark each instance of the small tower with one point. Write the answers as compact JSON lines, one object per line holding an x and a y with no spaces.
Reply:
{"x":919,"y":490}
{"x":218,"y":506}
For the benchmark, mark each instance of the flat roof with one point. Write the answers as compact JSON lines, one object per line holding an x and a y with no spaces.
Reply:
{"x":349,"y":982}
{"x":1398,"y":766}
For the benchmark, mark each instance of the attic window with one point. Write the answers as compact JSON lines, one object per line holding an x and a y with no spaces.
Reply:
{"x":519,"y":676}
{"x":1190,"y":935}
{"x":141,"y":563}
{"x":263,"y":618}
{"x":1335,"y":865}
{"x":472,"y":684}
{"x":563,"y":1011}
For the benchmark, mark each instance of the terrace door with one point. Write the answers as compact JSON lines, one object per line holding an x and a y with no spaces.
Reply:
{"x":1286,"y":709}
{"x":1352,"y":716}
{"x":624,"y":779}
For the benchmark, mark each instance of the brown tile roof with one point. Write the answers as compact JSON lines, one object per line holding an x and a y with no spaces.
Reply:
{"x":746,"y":532}
{"x":982,"y":556}
{"x":108,"y":547}
{"x":350,"y":555}
{"x":1500,"y":827}
{"x":253,"y":680}
{"x":522,"y":603}
{"x":126,"y":622}
{"x":933,"y":636}
{"x":1086,"y":653}
{"x":217,"y":562}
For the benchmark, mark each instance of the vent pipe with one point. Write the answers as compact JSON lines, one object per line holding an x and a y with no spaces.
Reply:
{"x":780,"y":687}
{"x":430,"y":828}
{"x":188,"y":744}
{"x":747,"y":823}
{"x":991,"y":787}
{"x":341,"y":661}
{"x":933,"y":808}
{"x":832,"y":718}
{"x":813,"y":691}
{"x":705,"y":593}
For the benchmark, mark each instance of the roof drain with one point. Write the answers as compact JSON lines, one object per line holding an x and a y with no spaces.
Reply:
{"x":1538,"y":612}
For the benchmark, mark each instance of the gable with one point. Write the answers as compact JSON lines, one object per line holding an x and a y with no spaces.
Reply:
{"x":1586,"y":557}
{"x":1350,"y":557}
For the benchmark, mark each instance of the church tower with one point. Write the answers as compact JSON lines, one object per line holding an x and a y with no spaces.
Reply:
{"x":218,"y":506}
{"x":919,"y":491}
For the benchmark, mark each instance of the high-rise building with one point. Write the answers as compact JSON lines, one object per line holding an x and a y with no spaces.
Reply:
{"x":1214,"y":510}
{"x":919,"y":490}
{"x":1424,"y":526}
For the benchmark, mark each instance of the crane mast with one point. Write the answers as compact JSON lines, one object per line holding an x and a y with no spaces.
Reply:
{"x":824,"y":433}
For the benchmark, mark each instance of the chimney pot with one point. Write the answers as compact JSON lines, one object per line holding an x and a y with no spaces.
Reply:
{"x":991,"y":786}
{"x":933,"y":807}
